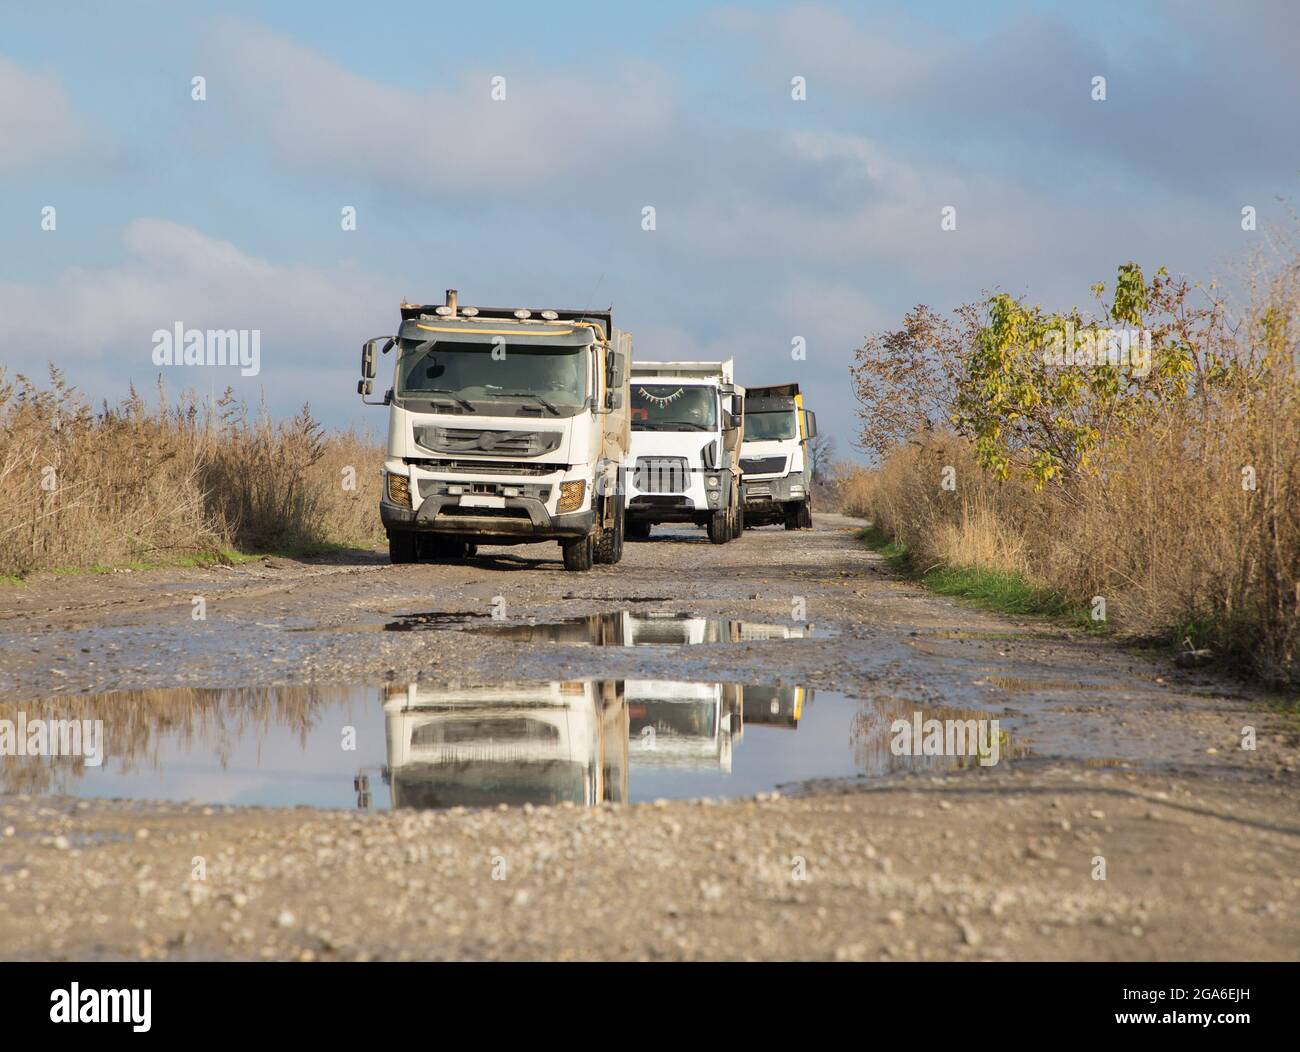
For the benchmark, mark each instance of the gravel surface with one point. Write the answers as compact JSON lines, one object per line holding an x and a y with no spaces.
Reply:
{"x":1127,"y":763}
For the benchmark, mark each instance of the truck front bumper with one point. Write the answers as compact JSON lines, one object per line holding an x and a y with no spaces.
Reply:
{"x":693,"y":504}
{"x":766,"y":498}
{"x":519,"y":521}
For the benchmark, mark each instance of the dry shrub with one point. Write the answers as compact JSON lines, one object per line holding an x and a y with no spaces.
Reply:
{"x":81,"y":488}
{"x":853,"y":490}
{"x":1164,"y":523}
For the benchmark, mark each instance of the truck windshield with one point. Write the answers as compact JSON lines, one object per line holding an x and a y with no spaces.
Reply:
{"x":468,"y":370}
{"x":671,"y":407}
{"x":764,"y":427}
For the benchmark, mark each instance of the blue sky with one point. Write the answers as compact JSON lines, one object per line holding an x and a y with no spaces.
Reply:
{"x":775,"y":218}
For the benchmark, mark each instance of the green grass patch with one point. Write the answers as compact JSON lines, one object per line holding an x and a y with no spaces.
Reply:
{"x":895,"y":552}
{"x":1008,"y":593}
{"x":999,"y":590}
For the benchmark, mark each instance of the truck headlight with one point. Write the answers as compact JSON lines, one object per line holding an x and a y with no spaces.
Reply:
{"x":571,"y":494}
{"x":711,"y":482}
{"x":399,"y":490}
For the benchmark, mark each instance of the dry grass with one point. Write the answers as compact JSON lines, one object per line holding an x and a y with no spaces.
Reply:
{"x":1160,"y":525}
{"x":176,"y":482}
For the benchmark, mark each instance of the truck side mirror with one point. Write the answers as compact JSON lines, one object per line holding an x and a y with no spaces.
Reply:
{"x":369,"y":366}
{"x":615,"y":367}
{"x":810,"y":424}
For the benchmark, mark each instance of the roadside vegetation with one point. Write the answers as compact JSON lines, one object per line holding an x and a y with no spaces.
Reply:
{"x":1151,"y":472}
{"x":179,"y":481}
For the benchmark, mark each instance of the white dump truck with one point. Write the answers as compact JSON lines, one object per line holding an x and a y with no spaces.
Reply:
{"x":505,"y":426}
{"x":515,"y":743}
{"x":688,"y":422}
{"x":774,"y":457}
{"x":682,"y":724}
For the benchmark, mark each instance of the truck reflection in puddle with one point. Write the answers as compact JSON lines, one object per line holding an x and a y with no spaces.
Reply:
{"x":543,"y":743}
{"x":627,"y":628}
{"x":424,"y":746}
{"x":546,"y":743}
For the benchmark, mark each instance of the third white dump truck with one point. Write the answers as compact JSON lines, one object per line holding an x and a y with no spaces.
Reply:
{"x":774,"y":457}
{"x":687,"y":428}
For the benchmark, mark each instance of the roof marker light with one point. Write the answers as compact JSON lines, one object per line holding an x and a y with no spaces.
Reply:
{"x":469,"y":312}
{"x":549,"y":315}
{"x":442,"y":312}
{"x":521,"y":314}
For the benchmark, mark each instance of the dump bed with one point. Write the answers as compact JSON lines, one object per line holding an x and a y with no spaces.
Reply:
{"x":722,"y":372}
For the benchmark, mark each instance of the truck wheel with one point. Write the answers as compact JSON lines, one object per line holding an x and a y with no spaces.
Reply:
{"x":740,"y":519}
{"x":403,"y":546}
{"x":637,"y":529}
{"x":579,"y":555}
{"x":791,"y":518}
{"x":805,"y":515}
{"x":609,"y":549}
{"x":719,"y":527}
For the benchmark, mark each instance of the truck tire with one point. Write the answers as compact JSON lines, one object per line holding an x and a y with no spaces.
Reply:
{"x":719,"y":527}
{"x":791,"y":517}
{"x":738,"y":517}
{"x":579,"y":555}
{"x":403,"y":546}
{"x":637,"y":529}
{"x":805,"y":515}
{"x":609,"y":549}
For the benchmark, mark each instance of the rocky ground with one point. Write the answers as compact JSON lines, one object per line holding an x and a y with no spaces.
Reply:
{"x":1123,"y":764}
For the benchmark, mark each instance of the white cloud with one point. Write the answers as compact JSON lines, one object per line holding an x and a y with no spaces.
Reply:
{"x":99,"y":322}
{"x":315,"y":114}
{"x":36,"y":119}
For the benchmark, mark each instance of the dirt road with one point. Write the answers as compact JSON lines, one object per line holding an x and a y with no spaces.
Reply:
{"x":1111,"y":764}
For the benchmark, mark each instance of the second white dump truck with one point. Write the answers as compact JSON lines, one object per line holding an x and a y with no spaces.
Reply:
{"x":505,"y":426}
{"x":688,"y":421}
{"x":777,"y":467}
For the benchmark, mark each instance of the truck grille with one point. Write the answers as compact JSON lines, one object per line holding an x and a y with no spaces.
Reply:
{"x":661,"y":475}
{"x":488,"y":467}
{"x":762,"y":465}
{"x":476,"y":440}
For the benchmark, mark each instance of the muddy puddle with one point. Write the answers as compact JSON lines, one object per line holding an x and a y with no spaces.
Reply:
{"x":427,"y":746}
{"x":631,"y":629}
{"x":622,"y":628}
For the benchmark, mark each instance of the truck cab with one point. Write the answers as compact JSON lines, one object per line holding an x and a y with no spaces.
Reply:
{"x":682,"y":724}
{"x":505,"y":426}
{"x":514,"y":743}
{"x":687,"y":423}
{"x":774,"y":457}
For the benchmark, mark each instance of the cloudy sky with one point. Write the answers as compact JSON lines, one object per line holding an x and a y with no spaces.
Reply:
{"x":775,"y":217}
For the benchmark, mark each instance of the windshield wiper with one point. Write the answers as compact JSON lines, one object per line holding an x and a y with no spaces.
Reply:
{"x":672,"y":425}
{"x":451,"y":394}
{"x":529,"y":394}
